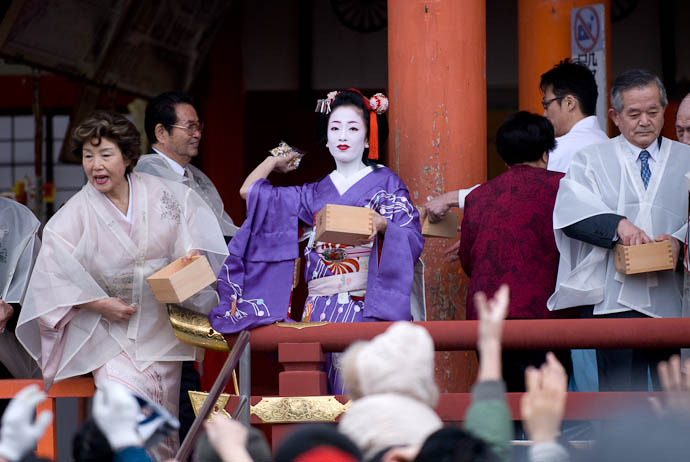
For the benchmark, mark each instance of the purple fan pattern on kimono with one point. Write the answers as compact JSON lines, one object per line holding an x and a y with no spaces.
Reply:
{"x":255,"y":282}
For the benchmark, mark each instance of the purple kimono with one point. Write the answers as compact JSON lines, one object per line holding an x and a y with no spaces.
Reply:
{"x":255,"y":283}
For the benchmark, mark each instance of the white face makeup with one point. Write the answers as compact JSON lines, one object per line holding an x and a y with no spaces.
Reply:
{"x":347,"y":136}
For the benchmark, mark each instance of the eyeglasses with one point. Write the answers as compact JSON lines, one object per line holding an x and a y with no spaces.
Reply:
{"x":549,"y":101}
{"x":192,"y":128}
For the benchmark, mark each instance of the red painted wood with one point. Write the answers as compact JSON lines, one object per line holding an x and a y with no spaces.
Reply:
{"x":517,"y":334}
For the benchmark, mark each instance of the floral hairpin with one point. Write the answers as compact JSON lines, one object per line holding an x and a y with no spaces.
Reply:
{"x":324,"y":105}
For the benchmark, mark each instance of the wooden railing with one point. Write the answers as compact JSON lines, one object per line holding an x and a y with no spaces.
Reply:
{"x":81,"y":388}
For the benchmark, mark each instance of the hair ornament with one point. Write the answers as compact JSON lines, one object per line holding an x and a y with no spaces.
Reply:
{"x":378,"y":103}
{"x":324,"y":105}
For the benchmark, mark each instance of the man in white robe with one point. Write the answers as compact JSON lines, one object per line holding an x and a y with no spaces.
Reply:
{"x":174,"y":131}
{"x":19,"y":244}
{"x":629,"y":190}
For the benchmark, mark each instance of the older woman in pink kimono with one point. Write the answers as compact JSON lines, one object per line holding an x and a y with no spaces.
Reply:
{"x":88,"y":307}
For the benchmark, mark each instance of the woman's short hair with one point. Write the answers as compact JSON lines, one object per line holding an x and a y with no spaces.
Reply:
{"x":352,"y":98}
{"x":112,"y":126}
{"x":524,"y":137}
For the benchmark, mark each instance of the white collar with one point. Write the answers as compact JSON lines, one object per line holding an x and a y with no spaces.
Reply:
{"x":342,"y":183}
{"x":652,"y":149}
{"x":587,"y":124}
{"x":127,"y":216}
{"x":177,"y":168}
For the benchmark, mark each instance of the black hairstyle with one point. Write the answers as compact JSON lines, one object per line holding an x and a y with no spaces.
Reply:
{"x":451,"y":444}
{"x":90,"y":444}
{"x":635,"y":78}
{"x":111,"y":126}
{"x":524,"y":137}
{"x":313,"y":436}
{"x":161,"y":110}
{"x":568,"y":78}
{"x":352,"y":98}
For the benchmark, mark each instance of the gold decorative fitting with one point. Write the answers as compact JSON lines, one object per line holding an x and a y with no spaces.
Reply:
{"x":299,"y":409}
{"x":194,"y":328}
{"x":197,"y":398}
{"x":301,"y":325}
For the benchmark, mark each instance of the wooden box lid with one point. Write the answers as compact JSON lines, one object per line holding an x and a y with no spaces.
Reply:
{"x":343,"y":224}
{"x":643,"y":258}
{"x":179,"y":280}
{"x":447,"y":227}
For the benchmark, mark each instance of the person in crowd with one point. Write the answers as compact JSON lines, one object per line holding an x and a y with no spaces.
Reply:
{"x":624,"y":191}
{"x":507,"y":234}
{"x":368,"y":282}
{"x":19,"y":244}
{"x":320,"y":442}
{"x":228,"y":440}
{"x":174,"y":131}
{"x":390,"y":381}
{"x":88,"y":307}
{"x":683,"y":120}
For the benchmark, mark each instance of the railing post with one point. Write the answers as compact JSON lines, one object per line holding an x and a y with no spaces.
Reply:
{"x":246,"y":382}
{"x":303,"y":373}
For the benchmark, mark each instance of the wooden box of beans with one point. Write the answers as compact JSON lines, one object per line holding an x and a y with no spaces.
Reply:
{"x":447,"y":227}
{"x":643,"y":258}
{"x":179,"y":280}
{"x":343,"y":224}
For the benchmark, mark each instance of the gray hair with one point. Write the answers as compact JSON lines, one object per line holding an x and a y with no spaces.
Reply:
{"x":634,"y":78}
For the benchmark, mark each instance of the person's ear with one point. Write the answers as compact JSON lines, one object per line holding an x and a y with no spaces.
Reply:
{"x":614,"y":116}
{"x":160,"y":132}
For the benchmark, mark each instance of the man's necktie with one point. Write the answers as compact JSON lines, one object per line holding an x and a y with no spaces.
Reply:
{"x":645,"y":172}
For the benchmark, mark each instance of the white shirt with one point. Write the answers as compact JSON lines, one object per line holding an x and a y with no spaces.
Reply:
{"x":174,"y":165}
{"x":584,"y":133}
{"x":652,"y":149}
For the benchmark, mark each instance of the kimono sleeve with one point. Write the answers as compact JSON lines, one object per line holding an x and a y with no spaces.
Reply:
{"x":390,"y":278}
{"x":255,"y":281}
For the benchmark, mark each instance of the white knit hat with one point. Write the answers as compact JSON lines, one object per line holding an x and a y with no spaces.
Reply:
{"x":401,"y":360}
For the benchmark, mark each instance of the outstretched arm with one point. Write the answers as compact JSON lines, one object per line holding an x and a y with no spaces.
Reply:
{"x":270,"y":164}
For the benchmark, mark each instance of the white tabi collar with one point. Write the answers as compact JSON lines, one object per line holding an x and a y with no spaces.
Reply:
{"x":177,"y":168}
{"x":342,"y":183}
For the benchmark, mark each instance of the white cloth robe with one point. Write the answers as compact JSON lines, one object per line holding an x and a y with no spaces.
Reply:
{"x":585,"y":132}
{"x":154,"y":164}
{"x":19,"y":244}
{"x":90,"y":252}
{"x":603,"y":178}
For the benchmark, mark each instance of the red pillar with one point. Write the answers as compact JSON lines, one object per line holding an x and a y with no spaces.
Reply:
{"x":544,"y":40}
{"x":437,"y":91}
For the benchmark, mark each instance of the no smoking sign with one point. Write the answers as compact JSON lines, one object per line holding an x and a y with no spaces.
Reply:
{"x":587,"y":27}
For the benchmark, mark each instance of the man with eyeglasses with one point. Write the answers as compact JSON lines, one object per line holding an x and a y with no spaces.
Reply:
{"x":174,"y":131}
{"x":569,"y":97}
{"x":627,"y":190}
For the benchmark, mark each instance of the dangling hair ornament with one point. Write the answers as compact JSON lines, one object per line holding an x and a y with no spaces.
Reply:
{"x":324,"y":105}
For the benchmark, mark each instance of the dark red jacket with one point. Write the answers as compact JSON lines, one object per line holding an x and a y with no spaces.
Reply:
{"x":507,"y":237}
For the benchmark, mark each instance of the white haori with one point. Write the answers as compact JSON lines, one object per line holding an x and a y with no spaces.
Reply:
{"x":602,"y":179}
{"x":90,"y":252}
{"x":162,"y":166}
{"x":584,"y":133}
{"x":19,"y":244}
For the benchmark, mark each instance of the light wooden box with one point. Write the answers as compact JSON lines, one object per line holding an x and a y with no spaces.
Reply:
{"x":178,"y":281}
{"x":643,"y":258}
{"x":447,"y":227}
{"x":343,"y":224}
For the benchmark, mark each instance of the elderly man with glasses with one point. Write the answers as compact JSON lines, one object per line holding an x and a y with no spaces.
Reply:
{"x":174,"y":131}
